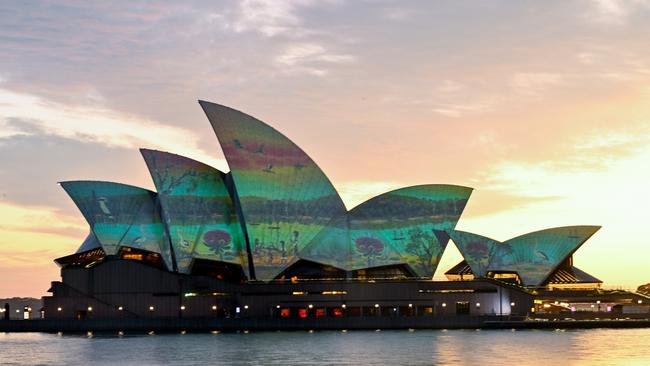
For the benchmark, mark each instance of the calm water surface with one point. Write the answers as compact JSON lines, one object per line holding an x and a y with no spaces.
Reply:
{"x":431,"y":347}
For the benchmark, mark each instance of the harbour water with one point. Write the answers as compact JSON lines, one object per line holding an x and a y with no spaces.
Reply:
{"x":421,"y":347}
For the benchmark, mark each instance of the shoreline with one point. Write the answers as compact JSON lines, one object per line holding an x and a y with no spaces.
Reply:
{"x":267,"y":324}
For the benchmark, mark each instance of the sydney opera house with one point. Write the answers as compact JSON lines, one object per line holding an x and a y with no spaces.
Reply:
{"x":271,"y":240}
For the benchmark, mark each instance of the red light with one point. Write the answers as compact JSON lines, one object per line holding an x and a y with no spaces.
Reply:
{"x":320,"y":313}
{"x":302,"y":313}
{"x":284,"y":313}
{"x":337,"y":312}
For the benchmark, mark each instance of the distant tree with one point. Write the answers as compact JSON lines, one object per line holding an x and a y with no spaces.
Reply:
{"x":644,"y":289}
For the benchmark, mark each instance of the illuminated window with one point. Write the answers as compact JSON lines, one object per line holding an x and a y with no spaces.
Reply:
{"x":320,"y":312}
{"x":285,"y":313}
{"x":132,"y":256}
{"x":302,"y":313}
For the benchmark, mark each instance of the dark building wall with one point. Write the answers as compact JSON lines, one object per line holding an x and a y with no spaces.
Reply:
{"x":148,"y":292}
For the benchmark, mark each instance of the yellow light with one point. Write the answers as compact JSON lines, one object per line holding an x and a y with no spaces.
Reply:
{"x":376,"y":305}
{"x":410,"y":305}
{"x":444,"y":304}
{"x":478,"y":304}
{"x":334,"y":292}
{"x":133,"y":256}
{"x":532,"y":310}
{"x":214,"y":307}
{"x":343,"y":306}
{"x":598,"y":302}
{"x":90,"y":308}
{"x":298,"y":293}
{"x":640,"y":302}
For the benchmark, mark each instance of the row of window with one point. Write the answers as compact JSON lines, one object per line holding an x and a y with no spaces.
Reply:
{"x":461,"y":308}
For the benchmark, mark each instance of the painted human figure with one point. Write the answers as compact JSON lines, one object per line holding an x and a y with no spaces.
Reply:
{"x":283,"y":252}
{"x":293,"y":242}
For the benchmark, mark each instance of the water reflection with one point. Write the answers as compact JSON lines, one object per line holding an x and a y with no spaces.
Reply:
{"x":419,"y":347}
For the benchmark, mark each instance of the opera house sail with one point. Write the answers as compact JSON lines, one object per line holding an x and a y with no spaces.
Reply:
{"x":272,"y":239}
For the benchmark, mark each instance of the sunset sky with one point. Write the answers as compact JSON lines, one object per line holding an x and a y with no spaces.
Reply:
{"x":542,"y":107}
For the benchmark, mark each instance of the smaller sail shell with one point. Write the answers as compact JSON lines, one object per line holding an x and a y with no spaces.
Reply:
{"x":121,"y":215}
{"x":534,"y":256}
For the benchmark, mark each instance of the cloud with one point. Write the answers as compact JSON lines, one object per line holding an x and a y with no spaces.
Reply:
{"x":354,"y":193}
{"x":310,"y":58}
{"x":614,"y":12}
{"x":268,"y":17}
{"x":532,"y":83}
{"x":456,"y":110}
{"x":486,"y":201}
{"x":95,"y":125}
